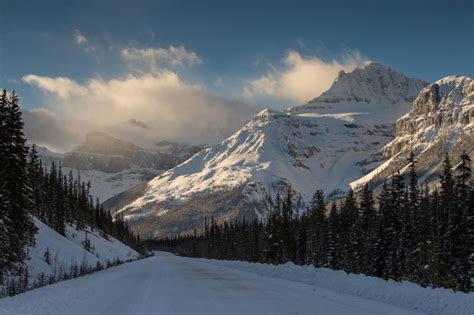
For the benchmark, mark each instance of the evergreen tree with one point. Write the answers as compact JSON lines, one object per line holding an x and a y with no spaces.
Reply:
{"x":459,"y":226}
{"x":13,"y":163}
{"x":410,"y":213}
{"x":273,"y":237}
{"x":385,"y":230}
{"x":5,"y":234}
{"x":368,"y":231}
{"x":287,"y":228}
{"x":470,"y":236}
{"x":349,"y":233}
{"x":447,"y":225}
{"x":318,"y":229}
{"x":334,"y":238}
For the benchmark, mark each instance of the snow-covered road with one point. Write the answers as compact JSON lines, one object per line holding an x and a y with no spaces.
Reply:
{"x":166,"y":284}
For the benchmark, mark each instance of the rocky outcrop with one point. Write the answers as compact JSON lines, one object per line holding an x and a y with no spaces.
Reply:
{"x":440,"y":122}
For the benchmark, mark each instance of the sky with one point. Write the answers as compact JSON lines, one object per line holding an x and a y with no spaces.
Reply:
{"x":194,"y":71}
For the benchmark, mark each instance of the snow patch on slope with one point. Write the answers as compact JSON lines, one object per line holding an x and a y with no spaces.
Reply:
{"x":66,"y":251}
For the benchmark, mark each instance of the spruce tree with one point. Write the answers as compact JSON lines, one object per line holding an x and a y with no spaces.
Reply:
{"x":334,"y":238}
{"x":410,"y":243}
{"x":470,"y":237}
{"x":349,"y":233}
{"x":447,"y":225}
{"x":318,"y":229}
{"x":461,"y":251}
{"x":386,"y":231}
{"x":13,"y":161}
{"x":5,"y":234}
{"x":368,"y":231}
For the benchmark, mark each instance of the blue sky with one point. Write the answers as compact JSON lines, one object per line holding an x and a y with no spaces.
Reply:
{"x":235,"y":42}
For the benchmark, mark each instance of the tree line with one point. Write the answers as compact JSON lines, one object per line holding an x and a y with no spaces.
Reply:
{"x":408,"y":232}
{"x":28,"y":189}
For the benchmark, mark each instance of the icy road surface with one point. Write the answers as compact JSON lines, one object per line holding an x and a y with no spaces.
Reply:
{"x":166,"y":284}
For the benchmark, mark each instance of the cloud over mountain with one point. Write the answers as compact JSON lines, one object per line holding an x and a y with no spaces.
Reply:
{"x":172,"y":108}
{"x":301,"y":78}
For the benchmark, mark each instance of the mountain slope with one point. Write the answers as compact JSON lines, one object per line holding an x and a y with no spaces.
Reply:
{"x":441,"y":121}
{"x":321,"y":145}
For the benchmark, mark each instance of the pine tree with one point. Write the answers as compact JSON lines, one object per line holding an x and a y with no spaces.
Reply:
{"x":35,"y":181}
{"x":287,"y":228}
{"x":470,"y":236}
{"x":461,"y":252}
{"x":368,"y":231}
{"x":334,"y":238}
{"x":397,"y":246}
{"x":273,"y":238}
{"x":5,"y":234}
{"x":318,"y":229}
{"x":447,"y":225}
{"x":17,"y":191}
{"x":411,"y":244}
{"x":349,"y":233}
{"x":385,"y":246}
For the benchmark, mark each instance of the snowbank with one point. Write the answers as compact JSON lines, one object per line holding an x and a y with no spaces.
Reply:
{"x":404,"y":294}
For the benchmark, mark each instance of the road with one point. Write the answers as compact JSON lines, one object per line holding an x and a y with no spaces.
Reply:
{"x":166,"y":284}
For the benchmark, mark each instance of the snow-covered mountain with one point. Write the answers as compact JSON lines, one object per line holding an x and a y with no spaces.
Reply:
{"x":113,"y":165}
{"x":441,"y":121}
{"x":324,"y":144}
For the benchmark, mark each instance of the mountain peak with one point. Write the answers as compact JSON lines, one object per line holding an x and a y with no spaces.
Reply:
{"x":371,"y":83}
{"x":373,"y":89}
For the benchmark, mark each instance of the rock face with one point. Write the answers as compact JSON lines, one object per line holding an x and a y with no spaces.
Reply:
{"x":441,"y":121}
{"x":324,"y":144}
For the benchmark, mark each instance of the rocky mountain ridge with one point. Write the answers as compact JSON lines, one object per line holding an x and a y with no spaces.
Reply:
{"x":440,"y":122}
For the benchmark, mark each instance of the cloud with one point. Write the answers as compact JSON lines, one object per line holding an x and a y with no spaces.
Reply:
{"x":301,"y":78}
{"x":62,"y":87}
{"x":169,"y":107}
{"x":47,"y":129}
{"x":157,"y":57}
{"x":79,"y":38}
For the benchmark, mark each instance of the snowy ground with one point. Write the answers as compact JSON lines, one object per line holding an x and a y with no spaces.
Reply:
{"x":166,"y":284}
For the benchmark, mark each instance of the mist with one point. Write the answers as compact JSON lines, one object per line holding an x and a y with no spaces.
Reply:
{"x":143,"y":108}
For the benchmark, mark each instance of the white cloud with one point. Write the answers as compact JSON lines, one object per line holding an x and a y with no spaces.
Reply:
{"x":60,"y":86}
{"x":79,"y":38}
{"x":171,"y":108}
{"x":157,"y":57}
{"x":301,"y":78}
